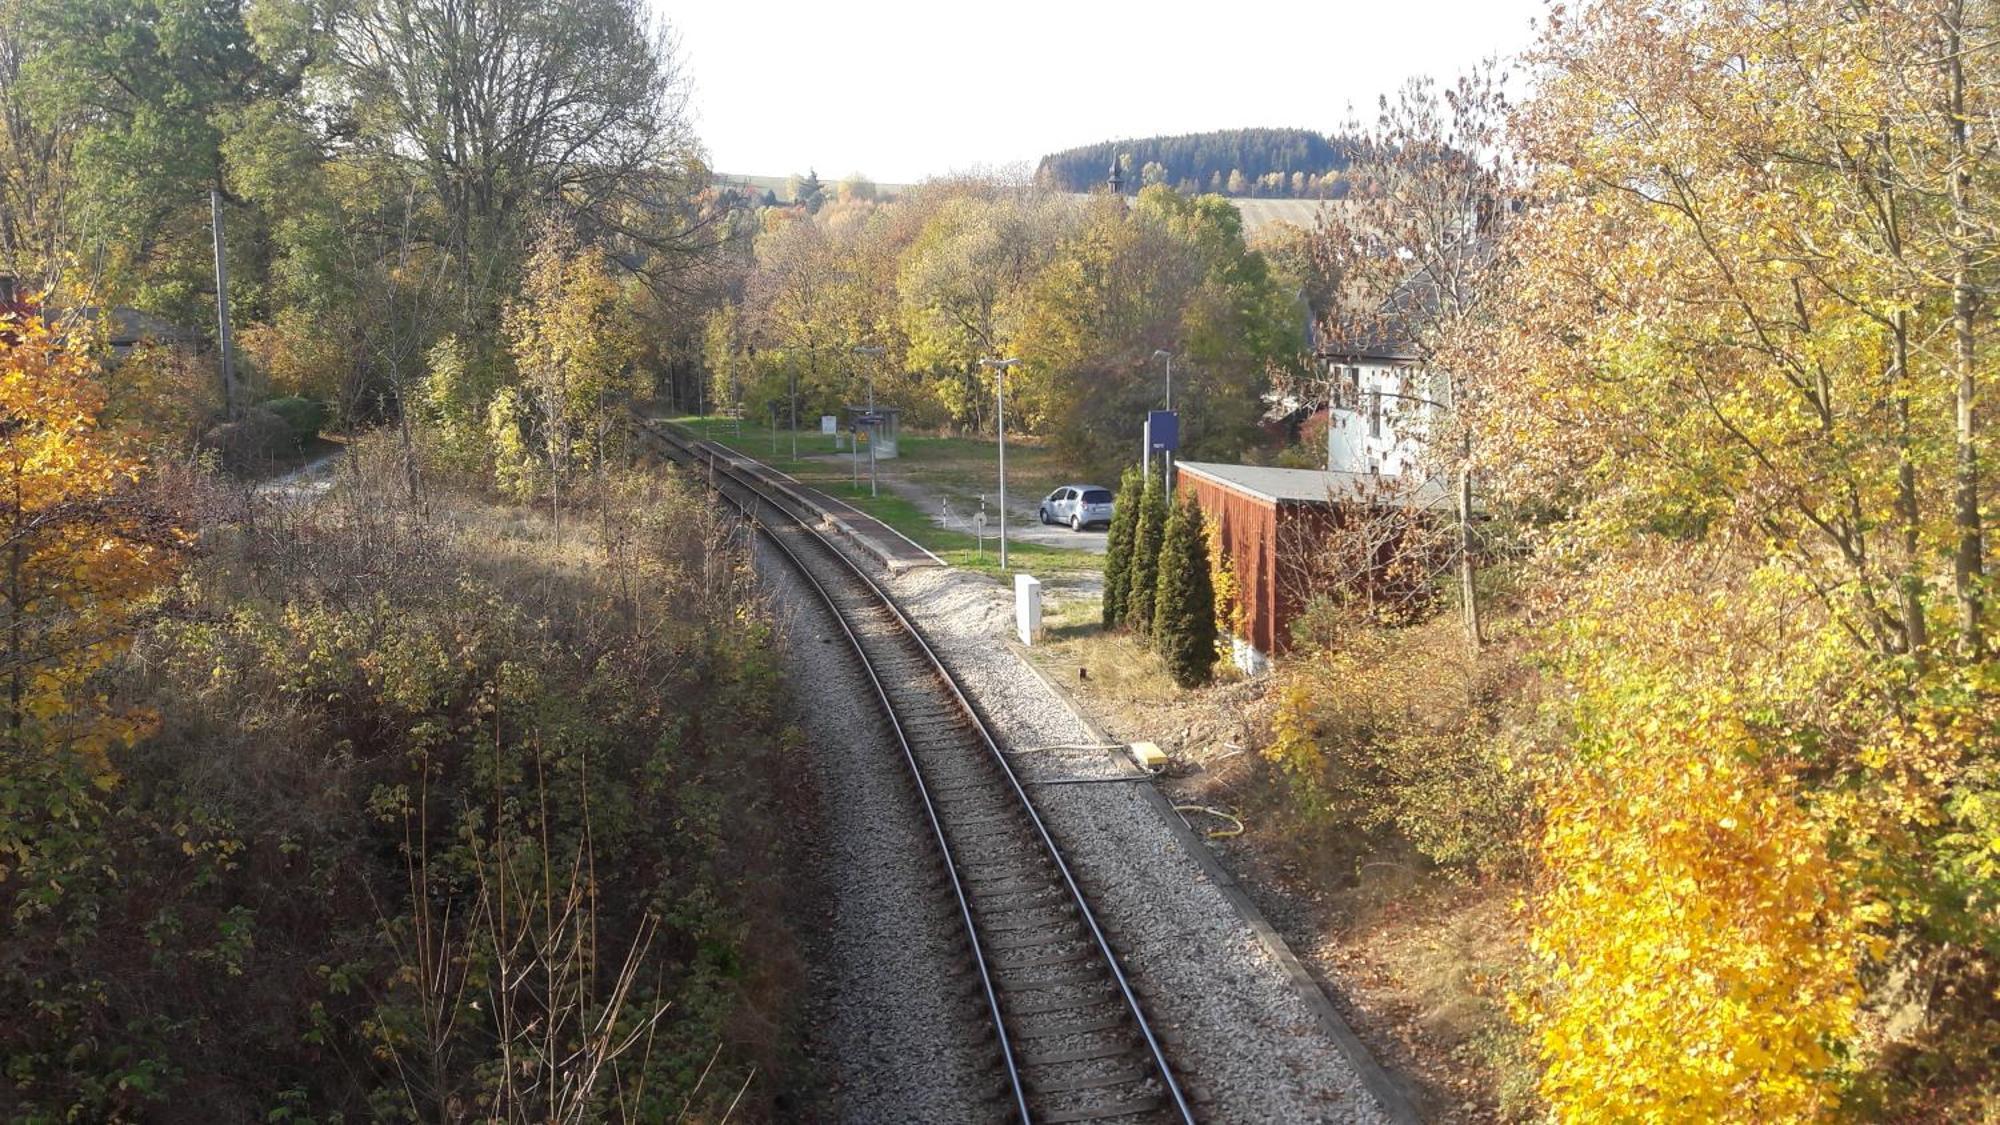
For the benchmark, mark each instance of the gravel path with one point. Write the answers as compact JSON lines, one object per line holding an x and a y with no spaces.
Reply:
{"x":1246,"y":1043}
{"x":892,"y":1035}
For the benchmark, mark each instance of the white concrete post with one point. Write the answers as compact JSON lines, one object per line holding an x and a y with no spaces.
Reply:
{"x":1028,"y":608}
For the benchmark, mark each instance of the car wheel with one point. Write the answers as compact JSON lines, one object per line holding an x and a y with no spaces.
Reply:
{"x":1076,"y":522}
{"x":1042,"y":513}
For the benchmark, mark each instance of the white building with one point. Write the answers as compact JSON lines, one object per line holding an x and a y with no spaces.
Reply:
{"x":1377,"y":416}
{"x":1381,"y":400}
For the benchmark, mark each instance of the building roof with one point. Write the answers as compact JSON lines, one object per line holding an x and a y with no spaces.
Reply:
{"x":1390,"y":334}
{"x":1319,"y":486}
{"x":126,"y":327}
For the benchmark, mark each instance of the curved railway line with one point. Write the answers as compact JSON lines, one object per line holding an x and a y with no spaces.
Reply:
{"x":1073,"y":1038}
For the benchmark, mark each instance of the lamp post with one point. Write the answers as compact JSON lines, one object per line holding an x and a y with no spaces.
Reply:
{"x":872,"y":351}
{"x":999,"y":367}
{"x":1167,"y":455}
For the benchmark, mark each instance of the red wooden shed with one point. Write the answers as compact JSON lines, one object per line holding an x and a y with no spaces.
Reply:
{"x":1259,"y":510}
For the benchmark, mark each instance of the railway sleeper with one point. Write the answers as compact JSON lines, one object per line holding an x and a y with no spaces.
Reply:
{"x":966,"y":785}
{"x":1113,"y":1021}
{"x":1084,"y":951}
{"x":1016,"y":866}
{"x":1012,"y":984}
{"x":960,"y":838}
{"x":1013,"y":888}
{"x":1107,"y":1049}
{"x":1030,"y":939}
{"x":1152,"y":1103}
{"x":1081,"y":999}
{"x":1088,"y":1082}
{"x":1028,"y":918}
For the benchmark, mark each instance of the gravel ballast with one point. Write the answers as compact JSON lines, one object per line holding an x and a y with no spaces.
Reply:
{"x":1244,"y":1039}
{"x":892,"y":1035}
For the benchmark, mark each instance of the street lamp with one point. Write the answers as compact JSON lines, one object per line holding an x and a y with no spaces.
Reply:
{"x":999,"y":368}
{"x":873,"y":351}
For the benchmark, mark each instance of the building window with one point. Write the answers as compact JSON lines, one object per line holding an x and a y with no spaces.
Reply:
{"x":1346,"y":387}
{"x":1375,"y":414}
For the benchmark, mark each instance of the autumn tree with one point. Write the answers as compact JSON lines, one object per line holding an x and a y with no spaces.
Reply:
{"x":594,"y":132}
{"x":86,"y":551}
{"x":958,"y":285}
{"x":1740,"y":354}
{"x":807,"y":191}
{"x":800,"y":303}
{"x":1416,"y":259}
{"x":857,"y":188}
{"x":1168,"y":273}
{"x":573,"y":339}
{"x":161,"y":107}
{"x":722,"y":347}
{"x":37,"y":165}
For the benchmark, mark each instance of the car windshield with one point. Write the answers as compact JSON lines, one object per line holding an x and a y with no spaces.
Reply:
{"x":1096,"y":496}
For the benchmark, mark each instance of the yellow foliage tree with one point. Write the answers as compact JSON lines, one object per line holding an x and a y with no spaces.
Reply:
{"x":1742,"y":346}
{"x":1700,"y":935}
{"x":575,"y":342}
{"x":84,"y":553}
{"x":1699,"y":955}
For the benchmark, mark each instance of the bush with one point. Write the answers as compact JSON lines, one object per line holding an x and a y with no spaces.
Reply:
{"x":1401,"y":735}
{"x":305,"y":417}
{"x":255,"y":439}
{"x":395,"y":849}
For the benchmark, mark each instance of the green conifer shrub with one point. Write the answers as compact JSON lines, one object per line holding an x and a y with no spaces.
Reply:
{"x":1118,"y":548}
{"x":1184,"y":605}
{"x":1145,"y":565}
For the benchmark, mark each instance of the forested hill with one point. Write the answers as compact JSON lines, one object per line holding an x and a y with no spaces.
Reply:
{"x":1257,"y":162}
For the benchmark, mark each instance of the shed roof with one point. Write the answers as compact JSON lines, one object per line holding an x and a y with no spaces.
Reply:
{"x":125,"y":327}
{"x":1318,"y":486}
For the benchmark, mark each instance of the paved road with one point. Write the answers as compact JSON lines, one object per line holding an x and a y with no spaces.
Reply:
{"x":954,"y":510}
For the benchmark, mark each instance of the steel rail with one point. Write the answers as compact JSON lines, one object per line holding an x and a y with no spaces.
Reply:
{"x":998,"y":758}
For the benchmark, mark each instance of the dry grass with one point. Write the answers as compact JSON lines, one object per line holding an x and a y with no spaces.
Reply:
{"x":1428,"y":960}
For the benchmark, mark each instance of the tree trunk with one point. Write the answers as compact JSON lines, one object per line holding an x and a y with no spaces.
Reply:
{"x":1911,"y":584}
{"x":18,"y":672}
{"x":1968,"y":562}
{"x":1467,"y":589}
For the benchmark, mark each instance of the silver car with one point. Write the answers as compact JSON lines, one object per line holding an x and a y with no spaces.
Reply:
{"x":1078,"y":505}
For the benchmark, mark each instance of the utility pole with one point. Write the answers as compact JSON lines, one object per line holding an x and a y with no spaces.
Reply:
{"x":1000,"y":367}
{"x":229,"y":404}
{"x":1167,"y":455}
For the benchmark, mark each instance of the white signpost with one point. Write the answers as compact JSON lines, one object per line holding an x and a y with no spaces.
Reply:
{"x":829,"y":425}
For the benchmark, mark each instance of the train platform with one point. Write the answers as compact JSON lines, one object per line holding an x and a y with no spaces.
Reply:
{"x":876,"y":539}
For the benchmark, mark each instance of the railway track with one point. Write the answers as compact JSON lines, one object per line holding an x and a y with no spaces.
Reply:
{"x":1072,"y":1036}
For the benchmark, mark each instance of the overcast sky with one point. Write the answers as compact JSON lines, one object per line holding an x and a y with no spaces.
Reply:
{"x":903,"y":89}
